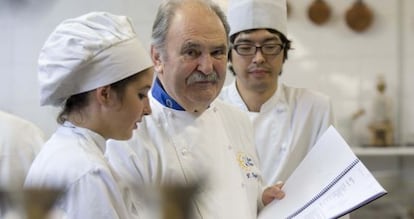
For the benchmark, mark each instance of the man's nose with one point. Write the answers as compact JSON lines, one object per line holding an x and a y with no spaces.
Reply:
{"x":258,"y":56}
{"x":205,"y":64}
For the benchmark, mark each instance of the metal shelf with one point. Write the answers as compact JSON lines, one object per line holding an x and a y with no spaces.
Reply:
{"x":385,"y":151}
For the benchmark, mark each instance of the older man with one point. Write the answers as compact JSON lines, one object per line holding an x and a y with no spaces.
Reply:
{"x":191,"y":135}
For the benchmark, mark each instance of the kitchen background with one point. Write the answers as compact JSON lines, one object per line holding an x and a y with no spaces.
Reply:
{"x":329,"y":57}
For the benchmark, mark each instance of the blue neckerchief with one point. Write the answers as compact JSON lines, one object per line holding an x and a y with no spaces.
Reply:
{"x":159,"y":94}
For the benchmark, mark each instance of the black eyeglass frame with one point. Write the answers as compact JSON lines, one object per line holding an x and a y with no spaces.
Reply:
{"x":236,"y":46}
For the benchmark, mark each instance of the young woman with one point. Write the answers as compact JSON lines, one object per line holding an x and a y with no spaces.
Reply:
{"x":96,"y":69}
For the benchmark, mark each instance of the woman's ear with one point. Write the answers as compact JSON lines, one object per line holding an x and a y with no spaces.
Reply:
{"x":104,"y":95}
{"x":156,"y":59}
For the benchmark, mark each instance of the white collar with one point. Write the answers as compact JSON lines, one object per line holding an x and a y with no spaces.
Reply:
{"x":279,"y":98}
{"x":88,"y":134}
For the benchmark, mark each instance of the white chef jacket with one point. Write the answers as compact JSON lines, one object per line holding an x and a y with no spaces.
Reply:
{"x":173,"y":146}
{"x":286,"y":127}
{"x":73,"y":159}
{"x":20,"y":141}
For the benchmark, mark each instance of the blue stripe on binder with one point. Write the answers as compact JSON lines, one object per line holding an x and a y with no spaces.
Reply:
{"x":324,"y":190}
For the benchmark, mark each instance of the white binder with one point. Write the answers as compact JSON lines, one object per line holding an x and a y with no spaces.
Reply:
{"x":330,"y":182}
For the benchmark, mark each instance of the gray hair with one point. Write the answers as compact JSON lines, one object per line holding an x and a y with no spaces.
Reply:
{"x":166,"y":12}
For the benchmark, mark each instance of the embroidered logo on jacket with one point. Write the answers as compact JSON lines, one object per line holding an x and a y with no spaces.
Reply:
{"x":247,"y":164}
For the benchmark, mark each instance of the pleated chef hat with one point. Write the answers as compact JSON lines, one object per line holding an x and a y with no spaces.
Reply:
{"x":257,"y":14}
{"x":88,"y":52}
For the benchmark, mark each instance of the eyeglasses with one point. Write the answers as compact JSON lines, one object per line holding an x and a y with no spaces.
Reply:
{"x":266,"y":49}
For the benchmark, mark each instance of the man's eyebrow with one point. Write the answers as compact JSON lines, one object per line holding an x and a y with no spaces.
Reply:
{"x":243,"y":40}
{"x":220,"y":47}
{"x":270,"y":38}
{"x":191,"y":45}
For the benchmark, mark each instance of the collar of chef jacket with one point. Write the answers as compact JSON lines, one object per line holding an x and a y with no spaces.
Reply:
{"x":278,"y":98}
{"x":161,"y":96}
{"x":89,"y":134}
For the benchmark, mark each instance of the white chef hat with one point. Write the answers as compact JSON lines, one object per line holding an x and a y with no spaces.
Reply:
{"x":88,"y":52}
{"x":256,"y":14}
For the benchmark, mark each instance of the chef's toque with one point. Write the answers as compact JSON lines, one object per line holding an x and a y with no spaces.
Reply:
{"x":87,"y":52}
{"x":257,"y":14}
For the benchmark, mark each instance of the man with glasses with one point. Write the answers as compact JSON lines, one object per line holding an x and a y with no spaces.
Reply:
{"x":288,"y":121}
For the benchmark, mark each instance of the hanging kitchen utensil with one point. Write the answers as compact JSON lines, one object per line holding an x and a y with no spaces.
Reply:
{"x":359,"y":17}
{"x":319,"y":12}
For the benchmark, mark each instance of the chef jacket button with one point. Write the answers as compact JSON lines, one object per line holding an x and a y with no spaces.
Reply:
{"x":280,"y":110}
{"x":160,"y":122}
{"x":184,"y":152}
{"x":215,"y":109}
{"x":170,"y":114}
{"x":229,"y":147}
{"x":95,"y":171}
{"x":169,"y":103}
{"x":242,"y":185}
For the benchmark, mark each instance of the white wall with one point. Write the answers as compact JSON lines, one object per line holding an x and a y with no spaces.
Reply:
{"x":25,"y":25}
{"x":330,"y":58}
{"x":345,"y":65}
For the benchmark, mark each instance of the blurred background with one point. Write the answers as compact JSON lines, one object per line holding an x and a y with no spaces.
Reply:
{"x":331,"y":54}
